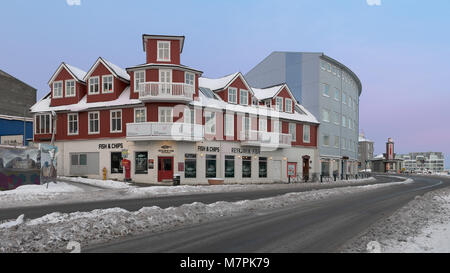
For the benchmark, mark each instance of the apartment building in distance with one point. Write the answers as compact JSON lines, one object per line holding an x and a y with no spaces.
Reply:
{"x":420,"y":162}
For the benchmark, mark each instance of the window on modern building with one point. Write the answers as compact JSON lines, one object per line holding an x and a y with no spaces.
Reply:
{"x":229,"y":166}
{"x":140,"y":115}
{"x":94,"y":122}
{"x":229,"y":125}
{"x":70,"y":88}
{"x":141,"y":162}
{"x":139,"y":78}
{"x":343,"y":144}
{"x":190,"y":165}
{"x":163,"y":51}
{"x":165,"y":114}
{"x":107,"y":84}
{"x":333,"y":70}
{"x":116,"y":121}
{"x":323,"y":65}
{"x":72,"y":126}
{"x":337,"y":94}
{"x":344,"y":98}
{"x":210,"y":122}
{"x":293,"y":131}
{"x":336,"y":118}
{"x":58,"y":89}
{"x":243,"y":98}
{"x":263,"y":167}
{"x":306,"y":133}
{"x":279,"y":104}
{"x":211,"y":166}
{"x":326,"y":140}
{"x":94,"y":86}
{"x":116,"y":162}
{"x":42,"y":124}
{"x":288,"y":105}
{"x":325,"y":115}
{"x":262,"y":124}
{"x":336,"y":141}
{"x":344,"y":121}
{"x":325,"y":90}
{"x":328,"y":67}
{"x":232,"y":95}
{"x":246,"y":167}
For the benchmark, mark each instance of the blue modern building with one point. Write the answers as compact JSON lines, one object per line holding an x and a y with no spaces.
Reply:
{"x":12,"y":130}
{"x":330,"y":91}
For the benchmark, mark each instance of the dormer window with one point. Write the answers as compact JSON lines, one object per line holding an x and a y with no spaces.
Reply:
{"x":94,"y":87}
{"x":70,"y":88}
{"x":163,"y":51}
{"x":268,"y":103}
{"x":243,"y":99}
{"x":279,"y":104}
{"x":58,"y":89}
{"x":232,"y":95}
{"x":288,"y":105}
{"x":107,"y":84}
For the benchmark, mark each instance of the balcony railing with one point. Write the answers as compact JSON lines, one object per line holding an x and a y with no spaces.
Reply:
{"x":164,"y":131}
{"x":265,"y":139}
{"x":166,"y":91}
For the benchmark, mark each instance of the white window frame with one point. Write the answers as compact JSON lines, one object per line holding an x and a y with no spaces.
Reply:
{"x":187,"y":80}
{"x":111,"y":121}
{"x":210,"y":122}
{"x":262,"y":126}
{"x":161,"y":58}
{"x":344,"y":98}
{"x":323,"y":140}
{"x":90,"y":92}
{"x":293,"y":131}
{"x":103,"y":84}
{"x":306,"y":128}
{"x":325,"y":115}
{"x":344,"y":121}
{"x":165,"y":110}
{"x":168,"y":88}
{"x":323,"y":90}
{"x":60,"y":94}
{"x":244,"y":118}
{"x":141,"y":80}
{"x":235,"y":90}
{"x":90,"y":132}
{"x":242,"y":91}
{"x":279,"y":104}
{"x":229,"y":124}
{"x":42,"y":125}
{"x":337,"y":92}
{"x":145,"y":114}
{"x":288,"y":101}
{"x":337,"y":141}
{"x":68,"y":124}
{"x":74,"y":88}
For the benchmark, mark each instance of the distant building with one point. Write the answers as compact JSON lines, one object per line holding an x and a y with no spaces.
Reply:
{"x":365,"y":153}
{"x":387,"y":162}
{"x":424,"y":162}
{"x":16,"y":99}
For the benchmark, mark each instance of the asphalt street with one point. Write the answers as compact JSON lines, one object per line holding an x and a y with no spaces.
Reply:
{"x":318,"y":226}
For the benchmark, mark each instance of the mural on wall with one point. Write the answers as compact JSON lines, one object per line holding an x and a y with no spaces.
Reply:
{"x":48,"y":163}
{"x":18,"y":167}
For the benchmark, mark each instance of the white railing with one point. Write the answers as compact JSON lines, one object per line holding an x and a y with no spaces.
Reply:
{"x":162,"y":90}
{"x":164,"y":131}
{"x":257,"y":138}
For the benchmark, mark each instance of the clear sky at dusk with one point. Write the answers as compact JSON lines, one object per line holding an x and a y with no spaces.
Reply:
{"x":399,"y":49}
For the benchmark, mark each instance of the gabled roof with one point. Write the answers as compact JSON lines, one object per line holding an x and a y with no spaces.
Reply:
{"x":145,"y":37}
{"x":271,"y":92}
{"x":223,"y":83}
{"x":75,"y":72}
{"x":117,"y":71}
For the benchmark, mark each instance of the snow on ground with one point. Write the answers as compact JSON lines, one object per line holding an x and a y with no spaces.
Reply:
{"x":423,"y":225}
{"x":52,"y":233}
{"x":107,"y":184}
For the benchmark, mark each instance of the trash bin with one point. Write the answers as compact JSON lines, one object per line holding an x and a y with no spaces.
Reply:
{"x":176,"y":179}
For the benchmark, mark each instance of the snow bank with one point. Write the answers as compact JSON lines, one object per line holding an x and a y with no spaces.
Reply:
{"x":107,"y":184}
{"x":52,"y":232}
{"x":52,"y":188}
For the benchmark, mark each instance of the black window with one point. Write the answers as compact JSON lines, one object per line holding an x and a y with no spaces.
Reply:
{"x":211,"y":166}
{"x":229,"y":166}
{"x":246,"y":166}
{"x":116,"y":159}
{"x":263,"y":167}
{"x":141,"y":162}
{"x":190,"y":165}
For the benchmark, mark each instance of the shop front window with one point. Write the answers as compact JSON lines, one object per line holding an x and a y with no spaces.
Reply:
{"x":246,"y":166}
{"x":190,"y":162}
{"x":211,"y":166}
{"x":263,"y":167}
{"x":116,"y":159}
{"x":141,"y":159}
{"x":229,"y":166}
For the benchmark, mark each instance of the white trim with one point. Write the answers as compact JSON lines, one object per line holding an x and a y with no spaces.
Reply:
{"x":214,"y":122}
{"x":145,"y":113}
{"x":60,"y":67}
{"x":89,"y":85}
{"x":244,"y":118}
{"x":288,"y":103}
{"x":111,"y":121}
{"x":158,"y":58}
{"x":62,"y":90}
{"x":165,"y":108}
{"x":68,"y":124}
{"x":100,"y":60}
{"x":276,"y":104}
{"x":263,"y":121}
{"x":235,"y":95}
{"x":103,"y":84}
{"x":136,"y":90}
{"x":294,"y":138}
{"x":40,"y":125}
{"x":89,"y":123}
{"x":240,"y":96}
{"x":74,"y":88}
{"x":193,"y":75}
{"x":229,"y":116}
{"x":309,"y":133}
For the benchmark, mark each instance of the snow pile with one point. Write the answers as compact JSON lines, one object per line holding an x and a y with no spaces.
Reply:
{"x":107,"y":184}
{"x":52,"y":188}
{"x":53,"y":232}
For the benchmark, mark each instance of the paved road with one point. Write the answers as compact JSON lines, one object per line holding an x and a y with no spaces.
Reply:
{"x":163,"y":202}
{"x":319,"y":226}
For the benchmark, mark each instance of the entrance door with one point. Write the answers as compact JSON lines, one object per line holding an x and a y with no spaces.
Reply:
{"x":276,"y":170}
{"x":165,"y":169}
{"x":306,"y":167}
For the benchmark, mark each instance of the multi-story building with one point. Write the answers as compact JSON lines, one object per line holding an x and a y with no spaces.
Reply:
{"x":330,"y":90}
{"x":424,"y":162}
{"x":16,"y":122}
{"x":167,"y":120}
{"x":365,"y":153}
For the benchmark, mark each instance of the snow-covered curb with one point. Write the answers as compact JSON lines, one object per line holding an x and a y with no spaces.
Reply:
{"x":107,"y":184}
{"x":52,"y":232}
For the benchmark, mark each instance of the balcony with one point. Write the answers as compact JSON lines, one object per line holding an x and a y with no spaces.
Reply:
{"x":164,"y":131}
{"x":160,"y":91}
{"x":266,"y":139}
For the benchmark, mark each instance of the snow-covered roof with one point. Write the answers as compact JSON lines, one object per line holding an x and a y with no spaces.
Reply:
{"x":265,"y":93}
{"x":217,"y":84}
{"x":380,"y":156}
{"x":44,"y":104}
{"x":115,"y":70}
{"x":210,"y":103}
{"x":78,"y":73}
{"x":362,"y":138}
